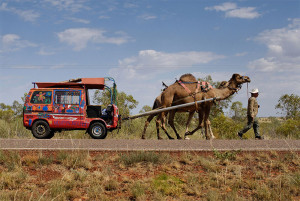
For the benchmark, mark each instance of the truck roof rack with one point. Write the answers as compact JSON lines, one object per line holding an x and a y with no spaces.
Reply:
{"x":88,"y":83}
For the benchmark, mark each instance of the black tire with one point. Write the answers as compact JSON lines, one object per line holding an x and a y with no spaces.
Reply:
{"x":51,"y":135}
{"x":41,"y":130}
{"x":98,"y":130}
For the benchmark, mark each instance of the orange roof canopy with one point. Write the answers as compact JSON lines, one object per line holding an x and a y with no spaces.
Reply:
{"x":89,"y":83}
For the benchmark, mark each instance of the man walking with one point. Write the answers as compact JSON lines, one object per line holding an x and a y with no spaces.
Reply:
{"x":251,"y":115}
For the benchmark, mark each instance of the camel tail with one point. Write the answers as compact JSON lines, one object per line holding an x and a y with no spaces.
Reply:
{"x":154,"y":105}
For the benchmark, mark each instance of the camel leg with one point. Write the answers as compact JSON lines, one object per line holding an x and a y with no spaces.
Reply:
{"x":206,"y":123}
{"x":171,"y":123}
{"x":202,"y":129}
{"x":200,"y":115}
{"x":158,"y":122}
{"x":147,"y":122}
{"x":210,"y":130}
{"x":162,"y":120}
{"x":191,"y":114}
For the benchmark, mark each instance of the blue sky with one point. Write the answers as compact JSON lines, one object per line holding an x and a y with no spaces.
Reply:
{"x":141,"y":43}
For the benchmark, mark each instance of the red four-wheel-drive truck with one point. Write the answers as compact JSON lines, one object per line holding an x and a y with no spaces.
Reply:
{"x":52,"y":107}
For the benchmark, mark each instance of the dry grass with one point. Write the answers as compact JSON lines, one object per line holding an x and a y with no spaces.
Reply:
{"x":68,"y":175}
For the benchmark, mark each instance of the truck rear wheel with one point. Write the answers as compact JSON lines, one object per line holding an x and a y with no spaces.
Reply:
{"x":98,"y":130}
{"x":41,"y":130}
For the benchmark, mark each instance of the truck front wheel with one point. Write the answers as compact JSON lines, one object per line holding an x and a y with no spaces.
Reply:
{"x":41,"y":130}
{"x":98,"y":130}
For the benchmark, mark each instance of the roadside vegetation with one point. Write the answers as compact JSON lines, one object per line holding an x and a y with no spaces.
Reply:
{"x":226,"y":117}
{"x":80,"y":175}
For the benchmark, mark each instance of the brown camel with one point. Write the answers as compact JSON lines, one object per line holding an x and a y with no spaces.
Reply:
{"x":176,"y":94}
{"x":157,"y":104}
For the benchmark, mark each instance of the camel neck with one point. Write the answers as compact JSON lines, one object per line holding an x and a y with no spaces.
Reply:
{"x":223,"y":93}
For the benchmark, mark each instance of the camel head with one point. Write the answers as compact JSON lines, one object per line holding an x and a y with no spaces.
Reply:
{"x":239,"y":79}
{"x":236,"y":81}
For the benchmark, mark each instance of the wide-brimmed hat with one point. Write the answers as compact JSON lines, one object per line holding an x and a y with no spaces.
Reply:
{"x":254,"y":91}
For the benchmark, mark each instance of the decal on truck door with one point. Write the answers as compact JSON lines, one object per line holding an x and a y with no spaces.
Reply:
{"x":67,"y":112}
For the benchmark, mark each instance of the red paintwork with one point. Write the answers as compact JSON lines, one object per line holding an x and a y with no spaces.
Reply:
{"x":64,"y":116}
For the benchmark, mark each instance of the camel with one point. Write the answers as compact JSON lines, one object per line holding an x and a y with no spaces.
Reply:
{"x":157,"y":104}
{"x":176,"y":94}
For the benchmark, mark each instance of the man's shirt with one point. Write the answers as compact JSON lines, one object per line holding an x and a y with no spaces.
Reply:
{"x":252,"y":107}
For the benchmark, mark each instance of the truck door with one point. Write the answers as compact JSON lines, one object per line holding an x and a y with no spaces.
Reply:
{"x":67,"y":113}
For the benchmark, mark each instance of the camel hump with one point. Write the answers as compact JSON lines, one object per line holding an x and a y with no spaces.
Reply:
{"x":188,"y":78}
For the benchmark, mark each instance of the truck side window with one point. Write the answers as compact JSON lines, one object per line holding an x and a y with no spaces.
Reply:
{"x":67,"y":97}
{"x":41,"y":97}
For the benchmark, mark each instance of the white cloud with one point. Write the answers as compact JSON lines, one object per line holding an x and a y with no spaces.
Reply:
{"x":141,"y":75}
{"x":44,"y":52}
{"x":78,"y":20}
{"x":233,"y":11}
{"x":13,"y":42}
{"x":69,"y":5}
{"x":245,"y":13}
{"x":80,"y":37}
{"x":283,"y":49}
{"x":148,"y":17}
{"x":150,"y":62}
{"x":27,"y":15}
{"x":104,"y":17}
{"x":241,"y":54}
{"x":130,"y":5}
{"x":223,"y":7}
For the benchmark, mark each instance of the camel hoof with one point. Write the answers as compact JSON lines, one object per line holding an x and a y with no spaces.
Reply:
{"x":188,"y":133}
{"x":187,"y":138}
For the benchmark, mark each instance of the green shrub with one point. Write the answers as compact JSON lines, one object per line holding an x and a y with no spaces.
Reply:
{"x":45,"y":160}
{"x":229,"y":155}
{"x":12,"y":180}
{"x":13,"y":129}
{"x":290,"y":128}
{"x":137,"y":157}
{"x":10,"y":159}
{"x":168,"y":185}
{"x":7,"y":115}
{"x":138,"y":189}
{"x":224,"y":127}
{"x":75,"y":159}
{"x":268,"y":129}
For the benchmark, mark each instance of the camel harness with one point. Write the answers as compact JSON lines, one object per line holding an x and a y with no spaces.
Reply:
{"x":204,"y":86}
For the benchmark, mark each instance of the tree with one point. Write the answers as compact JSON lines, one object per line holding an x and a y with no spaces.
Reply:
{"x":125,"y":102}
{"x":146,"y":108}
{"x":17,"y":108}
{"x":289,"y":106}
{"x":238,"y":111}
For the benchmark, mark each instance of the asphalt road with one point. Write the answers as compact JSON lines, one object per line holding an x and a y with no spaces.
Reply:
{"x":149,"y":145}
